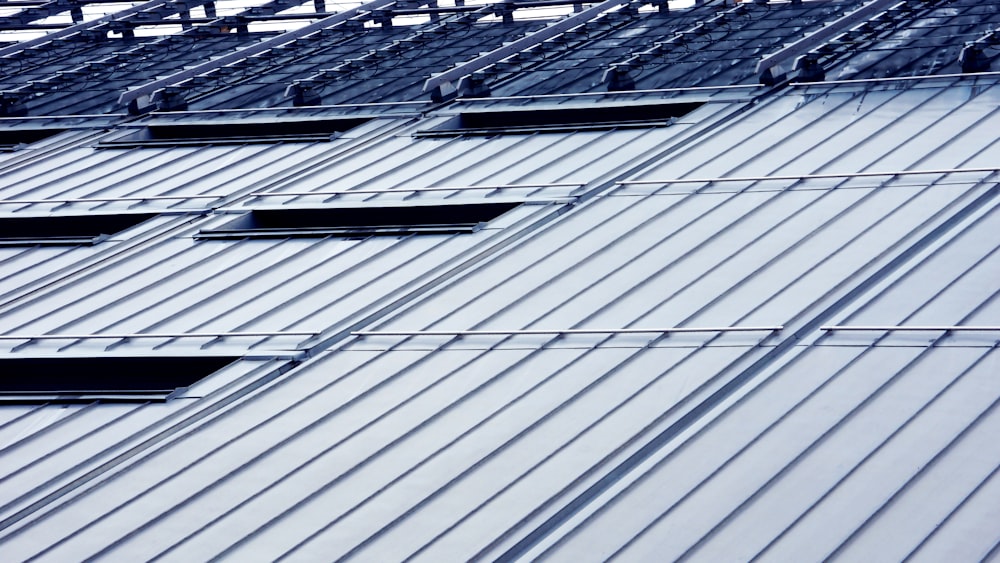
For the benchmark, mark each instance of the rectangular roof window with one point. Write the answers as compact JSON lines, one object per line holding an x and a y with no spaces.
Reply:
{"x":360,"y":221}
{"x":117,"y":379}
{"x":228,"y":133}
{"x":65,"y":229}
{"x":555,"y":120}
{"x":10,"y":139}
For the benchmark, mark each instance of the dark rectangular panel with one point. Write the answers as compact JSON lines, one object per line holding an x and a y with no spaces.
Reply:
{"x":563,"y":120}
{"x":65,"y":229}
{"x":11,"y":138}
{"x":220,"y":133}
{"x":360,"y":221}
{"x":107,"y":378}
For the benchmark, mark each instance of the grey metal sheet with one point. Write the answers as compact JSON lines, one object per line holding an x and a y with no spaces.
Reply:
{"x":25,"y":268}
{"x":408,"y":162}
{"x":177,"y":284}
{"x":719,"y":255}
{"x":47,"y":451}
{"x":827,"y":453}
{"x":582,"y":446}
{"x":398,"y":447}
{"x":863,"y":437}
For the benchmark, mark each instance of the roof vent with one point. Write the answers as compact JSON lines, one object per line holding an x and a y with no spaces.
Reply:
{"x":230,"y":133}
{"x":360,"y":222}
{"x":562,"y":119}
{"x":116,"y":379}
{"x":10,"y":139}
{"x":65,"y":229}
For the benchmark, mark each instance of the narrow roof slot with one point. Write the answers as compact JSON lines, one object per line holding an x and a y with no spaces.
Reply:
{"x":118,"y":379}
{"x":562,"y":119}
{"x":229,"y":133}
{"x":360,"y":221}
{"x":10,"y":139}
{"x":65,"y":229}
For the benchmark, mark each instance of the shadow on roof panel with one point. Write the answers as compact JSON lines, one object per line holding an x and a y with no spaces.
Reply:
{"x":925,"y":40}
{"x":712,"y":46}
{"x":82,"y":77}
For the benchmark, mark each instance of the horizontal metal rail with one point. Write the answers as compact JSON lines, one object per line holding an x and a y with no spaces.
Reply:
{"x":450,"y":77}
{"x":430,"y":189}
{"x":810,"y":176}
{"x":178,"y":77}
{"x":151,"y":335}
{"x":257,"y":111}
{"x":818,"y":37}
{"x":626,"y":94}
{"x":957,"y":328}
{"x":110,"y":199}
{"x":543,"y":332}
{"x":893,"y":79}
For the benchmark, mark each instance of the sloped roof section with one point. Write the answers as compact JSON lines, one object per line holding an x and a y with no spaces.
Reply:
{"x":501,"y":281}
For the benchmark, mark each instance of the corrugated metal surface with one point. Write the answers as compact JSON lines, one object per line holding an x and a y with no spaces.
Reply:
{"x":323,"y":284}
{"x":730,"y":253}
{"x":361,"y":439}
{"x":81,"y":171}
{"x":444,"y":446}
{"x":48,"y":451}
{"x":794,"y":208}
{"x":864,"y":437}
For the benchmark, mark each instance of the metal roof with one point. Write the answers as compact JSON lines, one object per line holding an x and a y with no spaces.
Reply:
{"x":725,"y":315}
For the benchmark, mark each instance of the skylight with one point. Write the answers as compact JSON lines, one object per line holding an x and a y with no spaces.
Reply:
{"x":360,"y":221}
{"x":65,"y":229}
{"x":562,"y":119}
{"x":10,"y":139}
{"x":70,"y":380}
{"x":227,"y":133}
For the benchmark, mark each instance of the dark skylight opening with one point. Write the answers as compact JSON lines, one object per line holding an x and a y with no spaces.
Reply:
{"x":222,"y":133}
{"x":115,"y":379}
{"x":563,"y":119}
{"x":65,"y":229}
{"x":10,"y":139}
{"x":360,"y":221}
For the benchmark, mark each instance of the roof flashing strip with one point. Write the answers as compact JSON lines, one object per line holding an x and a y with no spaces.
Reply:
{"x":490,"y":187}
{"x":213,"y":337}
{"x":559,"y":332}
{"x":913,"y":328}
{"x":130,"y":335}
{"x":137,"y":198}
{"x":793,"y":177}
{"x":445,"y":84}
